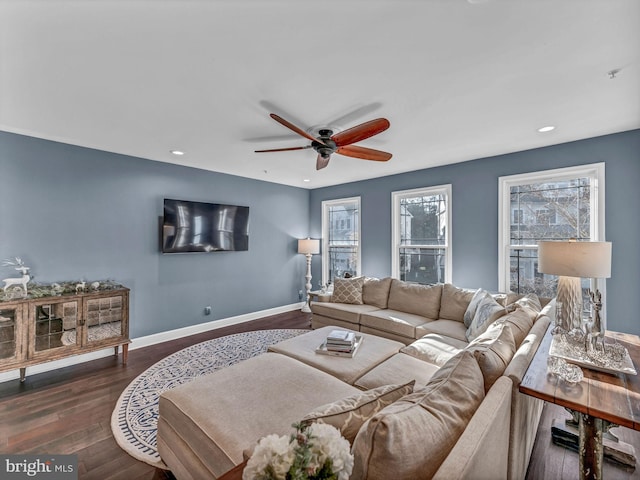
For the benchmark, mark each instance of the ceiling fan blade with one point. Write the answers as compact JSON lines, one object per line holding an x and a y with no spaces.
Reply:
{"x":282,"y":149}
{"x":360,"y":132}
{"x":298,"y":130}
{"x":322,"y":162}
{"x":364,"y":153}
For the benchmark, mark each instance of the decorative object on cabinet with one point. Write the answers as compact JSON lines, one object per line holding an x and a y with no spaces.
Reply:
{"x":54,"y":322}
{"x":22,"y":268}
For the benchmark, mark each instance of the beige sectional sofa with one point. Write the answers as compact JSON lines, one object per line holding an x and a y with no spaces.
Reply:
{"x":441,"y":405}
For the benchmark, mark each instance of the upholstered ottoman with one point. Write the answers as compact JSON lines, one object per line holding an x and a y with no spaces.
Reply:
{"x":373,"y":351}
{"x":205,"y":425}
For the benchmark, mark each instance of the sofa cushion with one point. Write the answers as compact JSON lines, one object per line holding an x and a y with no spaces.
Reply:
{"x":348,"y":290}
{"x":375,"y":291}
{"x":448,"y":328}
{"x":493,"y":350}
{"x":348,"y":414}
{"x":414,"y":298}
{"x":398,"y":368}
{"x":521,"y":321}
{"x":436,"y":415}
{"x":487,"y":312}
{"x":454,"y":302}
{"x":341,"y":311}
{"x":435,"y":348}
{"x":395,"y":321}
{"x":529,"y":300}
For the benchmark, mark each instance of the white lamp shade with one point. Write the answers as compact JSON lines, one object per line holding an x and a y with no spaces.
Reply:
{"x":575,"y":259}
{"x":309,"y":246}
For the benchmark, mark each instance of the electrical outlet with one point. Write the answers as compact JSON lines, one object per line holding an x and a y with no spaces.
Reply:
{"x":207,"y":310}
{"x":300,"y":294}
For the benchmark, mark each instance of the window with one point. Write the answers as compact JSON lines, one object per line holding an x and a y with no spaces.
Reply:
{"x":422,"y":235}
{"x":341,"y":238}
{"x":550,"y":205}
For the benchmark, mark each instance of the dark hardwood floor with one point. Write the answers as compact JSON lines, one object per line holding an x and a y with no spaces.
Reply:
{"x":68,"y":411}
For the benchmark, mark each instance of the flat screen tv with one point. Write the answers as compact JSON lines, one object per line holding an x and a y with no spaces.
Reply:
{"x":204,"y":227}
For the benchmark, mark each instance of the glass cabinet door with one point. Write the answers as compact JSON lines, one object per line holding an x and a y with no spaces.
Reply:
{"x":104,"y":318}
{"x":55,"y":325}
{"x":9,"y":332}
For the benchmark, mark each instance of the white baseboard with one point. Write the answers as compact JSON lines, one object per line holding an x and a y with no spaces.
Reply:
{"x":149,"y":340}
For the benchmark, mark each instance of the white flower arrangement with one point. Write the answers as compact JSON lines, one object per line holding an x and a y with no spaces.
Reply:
{"x":314,"y":452}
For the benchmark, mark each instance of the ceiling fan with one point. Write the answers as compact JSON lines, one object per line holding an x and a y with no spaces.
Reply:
{"x":327,"y":143}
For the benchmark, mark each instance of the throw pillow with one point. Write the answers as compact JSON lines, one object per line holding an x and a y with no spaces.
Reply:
{"x":411,"y":438}
{"x":470,"y":312}
{"x":488,"y":311}
{"x":348,"y":414}
{"x":348,"y":290}
{"x":376,"y":291}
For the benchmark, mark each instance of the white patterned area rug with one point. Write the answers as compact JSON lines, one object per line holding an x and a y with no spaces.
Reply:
{"x":134,"y":420}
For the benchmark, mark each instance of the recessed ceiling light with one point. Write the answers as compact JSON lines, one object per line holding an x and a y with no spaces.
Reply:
{"x":306,"y":180}
{"x":177,"y":152}
{"x":548,"y":128}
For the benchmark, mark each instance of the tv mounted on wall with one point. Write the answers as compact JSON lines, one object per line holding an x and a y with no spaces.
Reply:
{"x":204,"y":227}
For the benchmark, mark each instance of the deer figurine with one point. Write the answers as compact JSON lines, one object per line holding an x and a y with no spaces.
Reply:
{"x":22,"y":281}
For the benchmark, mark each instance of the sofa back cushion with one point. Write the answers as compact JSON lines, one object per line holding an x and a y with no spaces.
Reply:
{"x":375,"y":291}
{"x":410,"y":438}
{"x":493,"y":350}
{"x":414,"y":298}
{"x":348,"y":414}
{"x":454,"y":302}
{"x":521,"y":321}
{"x":348,"y":290}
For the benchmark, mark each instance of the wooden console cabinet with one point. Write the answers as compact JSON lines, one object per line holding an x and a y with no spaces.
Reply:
{"x":38,"y":330}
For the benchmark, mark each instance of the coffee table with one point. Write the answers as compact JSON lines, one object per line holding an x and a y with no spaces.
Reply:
{"x":600,"y":401}
{"x":373,"y":351}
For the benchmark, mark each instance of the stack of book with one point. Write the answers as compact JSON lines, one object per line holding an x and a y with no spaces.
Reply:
{"x":341,"y":341}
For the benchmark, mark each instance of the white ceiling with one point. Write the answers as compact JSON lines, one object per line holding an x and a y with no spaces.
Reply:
{"x":457,"y":79}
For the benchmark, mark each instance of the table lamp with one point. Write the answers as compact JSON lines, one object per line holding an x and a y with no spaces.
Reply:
{"x":571,"y":261}
{"x":308,"y":247}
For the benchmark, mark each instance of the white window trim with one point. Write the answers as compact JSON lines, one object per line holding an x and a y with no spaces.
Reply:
{"x":395,"y":230}
{"x":325,"y":233}
{"x":597,"y":233}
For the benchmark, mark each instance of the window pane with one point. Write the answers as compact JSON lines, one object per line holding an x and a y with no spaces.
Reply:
{"x":342,"y":260}
{"x":422,"y":265}
{"x":342,"y":240}
{"x":423,"y":220}
{"x":550,"y":211}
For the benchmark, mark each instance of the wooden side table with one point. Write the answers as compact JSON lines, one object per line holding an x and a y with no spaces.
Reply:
{"x":600,"y":401}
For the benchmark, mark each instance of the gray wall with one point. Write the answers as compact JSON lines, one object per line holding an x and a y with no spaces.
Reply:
{"x":76,"y":213}
{"x":475,"y":214}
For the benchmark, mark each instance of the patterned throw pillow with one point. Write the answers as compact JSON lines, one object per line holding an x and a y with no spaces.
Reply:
{"x":473,"y":306}
{"x":350,"y":413}
{"x":487,"y":312}
{"x":348,"y":290}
